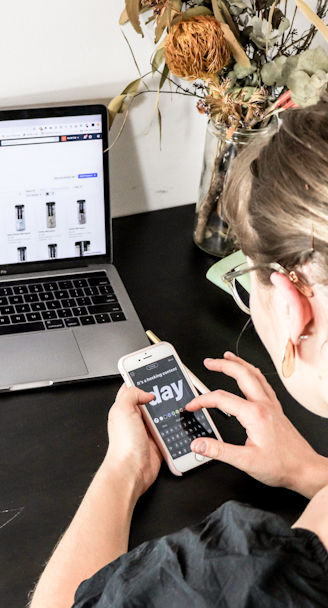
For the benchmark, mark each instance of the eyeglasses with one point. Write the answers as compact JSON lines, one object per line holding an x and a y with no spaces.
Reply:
{"x":241,"y":294}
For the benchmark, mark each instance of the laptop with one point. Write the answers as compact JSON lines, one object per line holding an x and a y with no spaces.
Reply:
{"x":64,"y":312}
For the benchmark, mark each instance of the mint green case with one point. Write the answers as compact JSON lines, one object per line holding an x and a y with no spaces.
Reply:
{"x":216,"y":271}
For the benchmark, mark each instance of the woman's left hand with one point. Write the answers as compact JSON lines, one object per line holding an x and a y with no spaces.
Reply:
{"x":132,"y":450}
{"x":274,"y":453}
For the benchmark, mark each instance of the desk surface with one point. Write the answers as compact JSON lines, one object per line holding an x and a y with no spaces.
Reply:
{"x":52,"y":440}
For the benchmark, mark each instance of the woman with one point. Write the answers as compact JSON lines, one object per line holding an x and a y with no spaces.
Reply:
{"x":277,"y":201}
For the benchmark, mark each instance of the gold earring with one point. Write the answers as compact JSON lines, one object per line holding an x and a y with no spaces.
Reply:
{"x":288,"y":362}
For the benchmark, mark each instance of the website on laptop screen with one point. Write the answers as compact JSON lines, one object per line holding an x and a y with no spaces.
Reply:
{"x":51,"y":189}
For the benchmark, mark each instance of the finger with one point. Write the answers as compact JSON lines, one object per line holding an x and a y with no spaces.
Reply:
{"x":135,"y":396}
{"x":246,"y":377}
{"x":262,"y":379}
{"x":236,"y":455}
{"x":250,"y":414}
{"x":232,"y":404}
{"x":220,"y":365}
{"x":121,"y":390}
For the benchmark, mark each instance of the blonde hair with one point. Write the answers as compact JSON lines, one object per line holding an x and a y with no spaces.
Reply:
{"x":276,"y":198}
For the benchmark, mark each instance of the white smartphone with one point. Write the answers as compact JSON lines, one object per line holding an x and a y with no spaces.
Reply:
{"x":160,"y":371}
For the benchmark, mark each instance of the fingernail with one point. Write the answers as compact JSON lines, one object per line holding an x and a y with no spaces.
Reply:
{"x":208,"y":359}
{"x":229,"y":354}
{"x":201,"y":447}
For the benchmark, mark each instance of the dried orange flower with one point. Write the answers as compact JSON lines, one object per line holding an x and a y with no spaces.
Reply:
{"x":228,"y":107}
{"x":196,"y":48}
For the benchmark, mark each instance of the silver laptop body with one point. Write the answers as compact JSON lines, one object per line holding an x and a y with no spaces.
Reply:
{"x":64,"y":312}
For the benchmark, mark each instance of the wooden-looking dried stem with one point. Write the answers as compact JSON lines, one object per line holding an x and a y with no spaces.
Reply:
{"x":209,"y":203}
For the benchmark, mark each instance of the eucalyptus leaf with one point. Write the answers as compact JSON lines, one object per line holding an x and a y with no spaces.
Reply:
{"x":281,"y":60}
{"x":237,"y":7}
{"x":289,"y":66}
{"x":123,"y":108}
{"x":262,"y":33}
{"x":297,"y":82}
{"x":313,"y":17}
{"x":312,"y":101}
{"x":114,"y":107}
{"x":235,"y":90}
{"x":197,"y":10}
{"x":312,"y":60}
{"x":236,"y":49}
{"x":155,"y":109}
{"x":234,"y":10}
{"x":319,"y":79}
{"x":306,"y":85}
{"x":256,"y":22}
{"x":250,"y":91}
{"x":161,"y":25}
{"x":271,"y":74}
{"x":227,"y":17}
{"x":217,"y":13}
{"x":239,"y":3}
{"x":297,"y":100}
{"x":242,"y":72}
{"x":167,"y":16}
{"x":233,"y":77}
{"x":131,"y":51}
{"x":159,"y":127}
{"x":158,"y":59}
{"x":255,"y":80}
{"x":259,"y":41}
{"x":277,"y":17}
{"x":310,"y":91}
{"x":164,"y":76}
{"x":132,"y":9}
{"x":132,"y":88}
{"x":117,"y":105}
{"x":123,"y":18}
{"x":283,"y":26}
{"x":246,"y":31}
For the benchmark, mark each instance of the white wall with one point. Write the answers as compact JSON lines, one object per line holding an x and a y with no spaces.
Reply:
{"x":73,"y":50}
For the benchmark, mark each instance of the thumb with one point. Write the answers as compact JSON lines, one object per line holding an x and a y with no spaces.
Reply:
{"x":236,"y":455}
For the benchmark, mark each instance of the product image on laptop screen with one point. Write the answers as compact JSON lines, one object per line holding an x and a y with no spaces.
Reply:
{"x":51,"y":189}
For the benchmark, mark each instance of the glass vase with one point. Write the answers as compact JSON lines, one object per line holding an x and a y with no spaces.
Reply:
{"x":211,"y":232}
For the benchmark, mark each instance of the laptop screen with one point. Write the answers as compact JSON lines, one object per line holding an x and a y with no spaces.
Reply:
{"x":52,"y":202}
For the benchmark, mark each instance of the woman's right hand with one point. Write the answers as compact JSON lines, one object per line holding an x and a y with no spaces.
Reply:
{"x":274,"y":453}
{"x":132,"y":450}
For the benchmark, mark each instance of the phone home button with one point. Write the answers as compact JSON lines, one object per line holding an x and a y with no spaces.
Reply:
{"x":199,"y":457}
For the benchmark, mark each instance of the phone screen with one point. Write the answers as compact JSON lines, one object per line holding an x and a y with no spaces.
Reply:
{"x":177,"y":427}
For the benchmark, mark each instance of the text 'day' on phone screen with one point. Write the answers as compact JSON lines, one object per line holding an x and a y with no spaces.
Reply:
{"x":177,"y":427}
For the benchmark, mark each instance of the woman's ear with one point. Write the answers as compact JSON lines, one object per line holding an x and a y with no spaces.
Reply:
{"x":299,"y":310}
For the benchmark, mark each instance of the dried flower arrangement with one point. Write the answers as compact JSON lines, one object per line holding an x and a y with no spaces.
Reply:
{"x":245,"y":59}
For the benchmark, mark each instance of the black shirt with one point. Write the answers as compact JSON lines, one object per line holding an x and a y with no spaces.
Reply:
{"x":237,"y":557}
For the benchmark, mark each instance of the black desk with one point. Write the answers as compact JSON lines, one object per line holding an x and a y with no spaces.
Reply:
{"x":53,"y":440}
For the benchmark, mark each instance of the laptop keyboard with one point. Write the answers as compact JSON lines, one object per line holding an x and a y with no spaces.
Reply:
{"x":54,"y":303}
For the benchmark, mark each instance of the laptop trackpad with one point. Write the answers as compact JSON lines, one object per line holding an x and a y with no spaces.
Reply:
{"x":31,"y":357}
